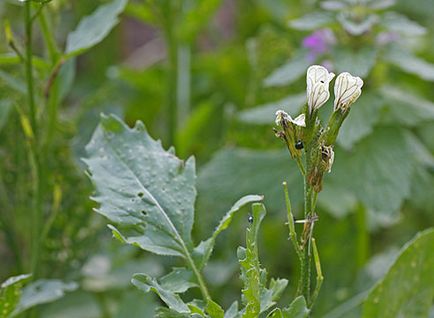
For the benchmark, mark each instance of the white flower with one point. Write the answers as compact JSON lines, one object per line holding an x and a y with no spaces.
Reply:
{"x":347,"y":89}
{"x":282,"y":117}
{"x":317,"y":80}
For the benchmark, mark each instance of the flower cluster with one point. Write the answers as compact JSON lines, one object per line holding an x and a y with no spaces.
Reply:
{"x":305,"y":132}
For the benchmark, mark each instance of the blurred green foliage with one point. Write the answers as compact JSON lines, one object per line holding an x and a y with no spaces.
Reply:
{"x":206,"y":77}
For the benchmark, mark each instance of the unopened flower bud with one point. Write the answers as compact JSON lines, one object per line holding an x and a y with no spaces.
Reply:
{"x":347,"y":90}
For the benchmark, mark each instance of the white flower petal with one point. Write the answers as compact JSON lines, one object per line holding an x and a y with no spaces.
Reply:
{"x":347,"y":89}
{"x":317,"y":82}
{"x":299,"y":120}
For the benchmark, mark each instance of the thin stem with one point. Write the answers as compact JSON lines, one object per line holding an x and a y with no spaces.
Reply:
{"x":33,"y":142}
{"x":319,"y":276}
{"x":198,"y":275}
{"x":300,"y":165}
{"x":292,"y":233}
{"x":50,"y":42}
{"x":293,"y":237}
{"x":29,"y":66}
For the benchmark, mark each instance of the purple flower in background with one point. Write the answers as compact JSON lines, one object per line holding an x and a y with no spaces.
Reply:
{"x":319,"y":42}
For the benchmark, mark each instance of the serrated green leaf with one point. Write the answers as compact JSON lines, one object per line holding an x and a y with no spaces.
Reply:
{"x":94,"y":28}
{"x":265,"y":114}
{"x":405,"y":107}
{"x":410,"y":63}
{"x":407,"y":290}
{"x":146,"y":283}
{"x":204,"y":250}
{"x":10,"y":294}
{"x":139,"y":183}
{"x":41,"y":292}
{"x":361,"y":121}
{"x":311,"y":21}
{"x":179,"y":280}
{"x":257,"y":298}
{"x":214,"y":310}
{"x":250,"y":267}
{"x":288,"y":72}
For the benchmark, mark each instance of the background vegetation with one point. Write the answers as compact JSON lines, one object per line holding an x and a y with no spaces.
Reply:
{"x":207,"y":77}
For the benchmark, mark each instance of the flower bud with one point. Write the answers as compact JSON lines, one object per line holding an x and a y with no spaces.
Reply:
{"x":317,"y":80}
{"x":347,"y":90}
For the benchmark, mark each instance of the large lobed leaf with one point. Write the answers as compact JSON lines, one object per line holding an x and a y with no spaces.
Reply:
{"x":407,"y":290}
{"x":139,"y":183}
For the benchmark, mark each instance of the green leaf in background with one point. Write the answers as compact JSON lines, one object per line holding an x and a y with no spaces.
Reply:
{"x":288,"y":72}
{"x":214,"y":310}
{"x":332,"y":5}
{"x":378,"y":170}
{"x":357,"y":62}
{"x":139,"y":183}
{"x":265,"y":114}
{"x":405,"y":107}
{"x":399,"y":23}
{"x":5,"y":108}
{"x":297,"y":309}
{"x":178,"y":280}
{"x":256,"y":297}
{"x":311,"y":21}
{"x":410,"y":63}
{"x":204,"y":249}
{"x":232,"y":312}
{"x":196,"y":17}
{"x":10,"y":293}
{"x":146,"y":283}
{"x":169,"y":313}
{"x":43,"y":291}
{"x":354,"y":27}
{"x":13,"y":82}
{"x":250,"y":170}
{"x":361,"y":121}
{"x":407,"y":290}
{"x":94,"y":28}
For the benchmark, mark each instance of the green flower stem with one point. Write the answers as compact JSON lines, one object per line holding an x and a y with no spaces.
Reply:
{"x":50,"y":42}
{"x":200,"y":280}
{"x":293,"y":237}
{"x":33,"y":143}
{"x":29,"y":66}
{"x":319,"y":276}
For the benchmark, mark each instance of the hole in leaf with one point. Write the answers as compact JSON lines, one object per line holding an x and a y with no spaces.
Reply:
{"x":140,"y":194}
